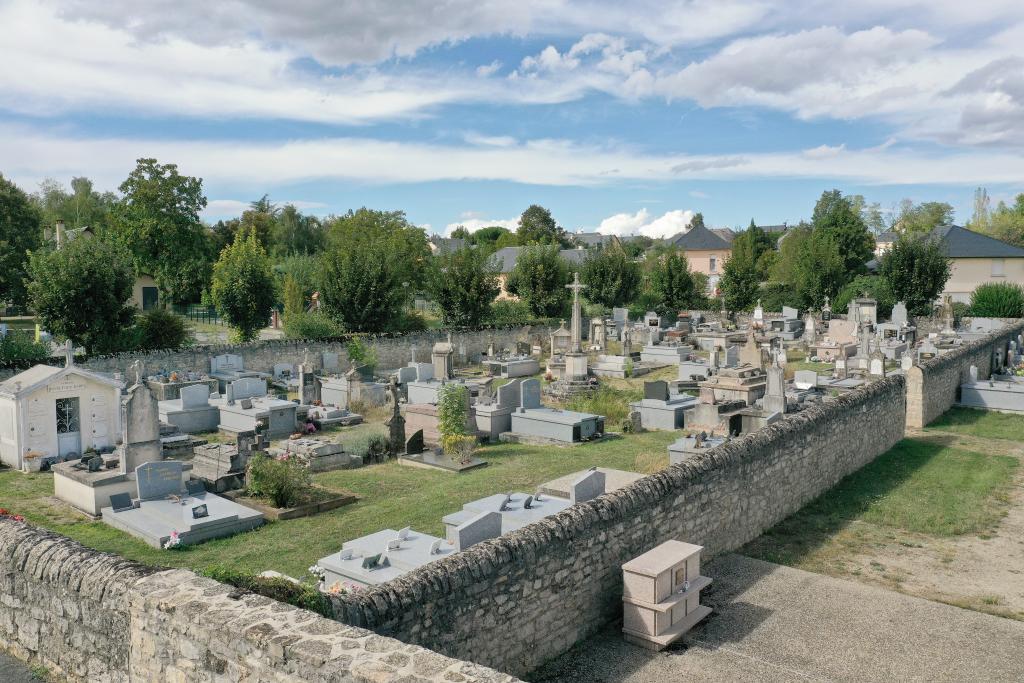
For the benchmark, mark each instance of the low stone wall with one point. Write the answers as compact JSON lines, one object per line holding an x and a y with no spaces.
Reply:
{"x":392,"y":351}
{"x":932,"y":386}
{"x":96,"y":617}
{"x":521,"y":599}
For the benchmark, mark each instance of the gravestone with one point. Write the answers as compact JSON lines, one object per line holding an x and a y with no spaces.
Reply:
{"x":523,"y":348}
{"x":876,"y":367}
{"x":620,"y":315}
{"x":226,"y":363}
{"x":121,"y":501}
{"x":331,"y":361}
{"x":899,"y":314}
{"x":805,"y":379}
{"x":482,"y":527}
{"x":414,"y":446}
{"x":395,"y":423}
{"x":195,"y":396}
{"x":906,"y":362}
{"x":406,"y":375}
{"x":282,"y":370}
{"x":307,"y":384}
{"x":657,"y":390}
{"x":774,"y":400}
{"x":157,"y":480}
{"x":789,"y":313}
{"x":973,"y":372}
{"x":509,"y":394}
{"x":441,"y":357}
{"x":248,"y":387}
{"x":530,"y":398}
{"x":424,"y":372}
{"x":587,"y":487}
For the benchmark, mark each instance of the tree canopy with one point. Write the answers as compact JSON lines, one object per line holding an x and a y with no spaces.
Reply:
{"x":537,"y":226}
{"x":20,"y":232}
{"x":539,"y":278}
{"x":612,"y":277}
{"x":916,"y":269}
{"x":672,"y":286}
{"x":243,"y":286}
{"x":922,"y":218}
{"x":81,"y":292}
{"x":463,"y":283}
{"x":746,"y":268}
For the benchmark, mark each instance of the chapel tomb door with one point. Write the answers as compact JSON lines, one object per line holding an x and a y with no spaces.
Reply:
{"x":69,"y":435}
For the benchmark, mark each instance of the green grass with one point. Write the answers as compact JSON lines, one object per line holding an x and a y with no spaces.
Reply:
{"x":917,"y":486}
{"x":392,"y":496}
{"x":983,"y":423}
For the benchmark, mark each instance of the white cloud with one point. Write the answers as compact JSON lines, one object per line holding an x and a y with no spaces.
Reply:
{"x":824,"y":151}
{"x":699,"y":194}
{"x":488,"y":69}
{"x":489,"y":140}
{"x":640,"y":223}
{"x":249,"y":167}
{"x":473,"y":224}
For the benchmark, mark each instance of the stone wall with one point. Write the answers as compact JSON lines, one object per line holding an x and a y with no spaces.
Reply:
{"x":521,"y":599}
{"x":932,"y":386}
{"x":392,"y":351}
{"x":96,"y":617}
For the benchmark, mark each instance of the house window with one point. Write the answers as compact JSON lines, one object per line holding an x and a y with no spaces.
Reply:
{"x":997,"y":267}
{"x":714,"y":263}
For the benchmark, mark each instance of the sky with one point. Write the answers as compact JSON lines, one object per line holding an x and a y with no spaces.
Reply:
{"x":620,"y":117}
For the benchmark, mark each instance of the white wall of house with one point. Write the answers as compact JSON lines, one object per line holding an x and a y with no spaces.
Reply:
{"x":969,"y":273}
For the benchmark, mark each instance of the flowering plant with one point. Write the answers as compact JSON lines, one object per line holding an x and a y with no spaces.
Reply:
{"x":5,"y":513}
{"x":318,"y":572}
{"x":173,"y":542}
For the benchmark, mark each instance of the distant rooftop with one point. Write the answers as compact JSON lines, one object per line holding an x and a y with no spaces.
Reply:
{"x":506,"y":257}
{"x":963,"y":243}
{"x":698,"y":238}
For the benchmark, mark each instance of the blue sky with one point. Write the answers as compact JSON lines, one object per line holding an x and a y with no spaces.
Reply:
{"x":619,"y":117}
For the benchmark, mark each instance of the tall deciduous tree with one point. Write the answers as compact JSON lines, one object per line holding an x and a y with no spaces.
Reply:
{"x":158,"y":222}
{"x":922,"y":218}
{"x":672,"y":286}
{"x":463,"y":283}
{"x":537,"y":226}
{"x":916,"y":269}
{"x":79,"y":208}
{"x":745,"y":269}
{"x":612,"y":277}
{"x":20,"y":232}
{"x":539,"y":278}
{"x":836,"y":217}
{"x":81,"y":292}
{"x":243,"y":286}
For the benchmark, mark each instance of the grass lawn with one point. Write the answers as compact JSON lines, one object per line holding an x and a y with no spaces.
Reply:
{"x":983,"y":423}
{"x":392,"y":496}
{"x":918,"y":487}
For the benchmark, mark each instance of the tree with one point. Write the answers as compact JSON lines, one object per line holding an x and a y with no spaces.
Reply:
{"x":835,"y":215}
{"x":697,"y":221}
{"x":294,"y":301}
{"x":539,"y":278}
{"x":871,"y":214}
{"x":20,"y":232}
{"x":982,"y":211}
{"x":536,"y":226}
{"x":874,"y":286}
{"x":296,"y":233}
{"x":916,"y":269}
{"x":819,"y":270}
{"x":81,"y":292}
{"x":922,"y":218}
{"x":159,"y":328}
{"x":672,"y":286}
{"x":461,"y":233}
{"x":79,"y":208}
{"x":463,"y":283}
{"x":157,"y":221}
{"x":1007,"y":222}
{"x":243,"y":286}
{"x":612,"y":277}
{"x":746,"y":268}
{"x":406,"y":245}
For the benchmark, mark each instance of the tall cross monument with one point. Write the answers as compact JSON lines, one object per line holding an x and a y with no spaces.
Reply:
{"x":576,"y":330}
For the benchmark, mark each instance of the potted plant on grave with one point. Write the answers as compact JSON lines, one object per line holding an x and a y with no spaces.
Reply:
{"x":452,"y":415}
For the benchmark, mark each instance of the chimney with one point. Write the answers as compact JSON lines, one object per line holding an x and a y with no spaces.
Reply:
{"x":60,"y":233}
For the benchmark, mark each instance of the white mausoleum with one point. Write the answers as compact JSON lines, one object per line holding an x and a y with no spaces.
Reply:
{"x":49,"y":413}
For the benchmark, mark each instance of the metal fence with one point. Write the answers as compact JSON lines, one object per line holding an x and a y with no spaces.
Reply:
{"x":200,"y":314}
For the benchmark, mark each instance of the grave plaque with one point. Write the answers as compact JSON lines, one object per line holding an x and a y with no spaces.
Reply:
{"x":158,"y":480}
{"x":121,"y":501}
{"x":530,"y":393}
{"x":484,"y":526}
{"x":200,"y":511}
{"x":657,"y":391}
{"x":194,"y":487}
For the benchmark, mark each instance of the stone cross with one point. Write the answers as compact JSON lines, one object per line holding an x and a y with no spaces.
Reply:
{"x":69,"y":354}
{"x":137,"y":371}
{"x":575,"y":331}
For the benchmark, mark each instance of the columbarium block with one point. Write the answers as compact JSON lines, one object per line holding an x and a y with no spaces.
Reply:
{"x":661,"y":594}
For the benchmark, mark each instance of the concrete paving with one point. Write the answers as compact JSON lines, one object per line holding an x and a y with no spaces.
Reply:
{"x":774,"y":623}
{"x":15,"y":671}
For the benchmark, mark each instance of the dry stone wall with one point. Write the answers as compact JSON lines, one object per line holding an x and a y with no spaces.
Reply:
{"x":518,"y":600}
{"x":932,"y":386}
{"x":96,"y":617}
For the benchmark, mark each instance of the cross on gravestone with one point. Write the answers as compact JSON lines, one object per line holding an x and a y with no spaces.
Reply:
{"x":530,"y":397}
{"x":657,"y":390}
{"x":576,"y":331}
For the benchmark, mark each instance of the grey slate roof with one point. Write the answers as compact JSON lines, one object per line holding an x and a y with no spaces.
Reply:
{"x":699,"y":239}
{"x":887,"y":237}
{"x":447,"y":244}
{"x":963,"y":243}
{"x":591,"y":239}
{"x":727,"y":234}
{"x":506,"y":257}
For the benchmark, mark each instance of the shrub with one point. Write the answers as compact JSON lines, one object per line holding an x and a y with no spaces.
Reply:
{"x":300,"y":595}
{"x":876,"y":287}
{"x":613,"y":404}
{"x":510,"y":311}
{"x":360,"y":354}
{"x":283,"y":480}
{"x":998,"y":300}
{"x":370,"y":446}
{"x":161,"y":329}
{"x":19,"y":349}
{"x":312,"y":325}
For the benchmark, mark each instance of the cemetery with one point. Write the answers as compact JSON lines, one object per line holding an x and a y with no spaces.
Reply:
{"x":149,"y":503}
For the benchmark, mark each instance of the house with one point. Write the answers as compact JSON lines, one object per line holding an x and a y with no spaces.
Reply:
{"x":589,"y":240}
{"x":444,"y":245}
{"x":505,"y":261}
{"x":145,"y":292}
{"x":51,"y":413}
{"x":727,"y":234}
{"x":884,"y":242}
{"x":977,"y":259}
{"x":706,"y":252}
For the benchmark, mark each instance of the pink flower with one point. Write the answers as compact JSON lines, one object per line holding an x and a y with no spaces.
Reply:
{"x":18,"y":518}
